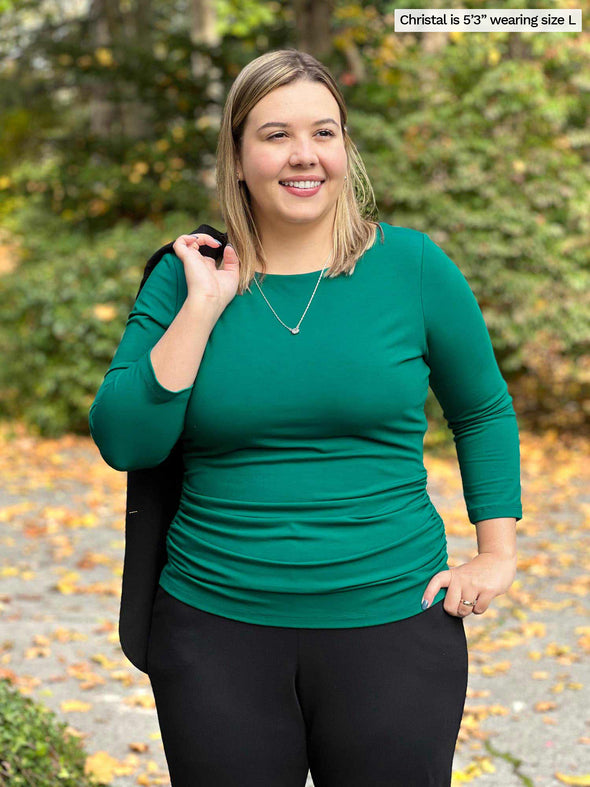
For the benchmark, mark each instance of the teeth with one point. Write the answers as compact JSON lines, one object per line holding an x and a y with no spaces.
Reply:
{"x":301,"y":184}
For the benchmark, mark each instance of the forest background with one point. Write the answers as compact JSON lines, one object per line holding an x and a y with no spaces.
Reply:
{"x":109,"y":114}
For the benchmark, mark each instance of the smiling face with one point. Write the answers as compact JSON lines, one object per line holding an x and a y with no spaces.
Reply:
{"x":301,"y":149}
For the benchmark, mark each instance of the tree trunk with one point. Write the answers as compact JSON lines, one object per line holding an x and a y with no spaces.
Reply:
{"x":104,"y":23}
{"x":203,"y":33}
{"x":136,"y":116}
{"x":128,"y":115}
{"x":312,"y":19}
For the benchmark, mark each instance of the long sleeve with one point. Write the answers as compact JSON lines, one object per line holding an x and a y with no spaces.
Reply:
{"x":134,"y":420}
{"x":467,"y":382}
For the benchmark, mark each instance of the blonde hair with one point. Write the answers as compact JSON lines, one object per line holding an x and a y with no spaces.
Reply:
{"x":355,"y":223}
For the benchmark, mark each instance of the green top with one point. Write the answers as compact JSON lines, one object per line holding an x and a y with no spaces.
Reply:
{"x":304,"y":499}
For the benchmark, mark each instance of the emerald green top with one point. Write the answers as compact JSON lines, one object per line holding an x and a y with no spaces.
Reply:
{"x":304,"y":499}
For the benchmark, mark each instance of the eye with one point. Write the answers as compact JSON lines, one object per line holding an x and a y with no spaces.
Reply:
{"x":321,"y":131}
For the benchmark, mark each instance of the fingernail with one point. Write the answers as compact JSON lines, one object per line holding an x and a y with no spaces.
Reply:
{"x":218,"y":242}
{"x":424,"y":604}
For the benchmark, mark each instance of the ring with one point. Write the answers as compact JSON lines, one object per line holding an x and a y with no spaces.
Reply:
{"x":469,"y":603}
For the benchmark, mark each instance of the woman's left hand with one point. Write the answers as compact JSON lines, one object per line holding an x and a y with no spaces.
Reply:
{"x":483,"y":578}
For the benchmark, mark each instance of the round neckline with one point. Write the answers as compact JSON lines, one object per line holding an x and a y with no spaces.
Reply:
{"x":258,"y":274}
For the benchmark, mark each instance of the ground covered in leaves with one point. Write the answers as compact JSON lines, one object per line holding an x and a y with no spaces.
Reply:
{"x":61,"y":550}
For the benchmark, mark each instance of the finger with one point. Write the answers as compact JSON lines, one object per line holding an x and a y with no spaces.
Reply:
{"x":467,"y":594}
{"x":438,"y":581}
{"x":197,"y":240}
{"x":483,"y":602}
{"x":453,"y":599}
{"x":230,"y":258}
{"x":203,"y":239}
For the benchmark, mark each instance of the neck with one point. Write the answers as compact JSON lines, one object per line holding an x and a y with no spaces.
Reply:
{"x":296,"y":248}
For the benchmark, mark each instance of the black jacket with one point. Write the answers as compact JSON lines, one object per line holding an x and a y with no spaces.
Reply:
{"x":153,"y":495}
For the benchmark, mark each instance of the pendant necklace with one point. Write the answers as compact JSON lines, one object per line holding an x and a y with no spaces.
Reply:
{"x":294,"y":330}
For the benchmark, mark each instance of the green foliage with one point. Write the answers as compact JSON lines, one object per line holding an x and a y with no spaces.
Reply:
{"x":64,"y":311}
{"x":124,"y":130}
{"x":35,"y":749}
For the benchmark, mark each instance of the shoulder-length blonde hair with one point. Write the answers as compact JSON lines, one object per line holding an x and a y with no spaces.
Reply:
{"x":355,"y":224}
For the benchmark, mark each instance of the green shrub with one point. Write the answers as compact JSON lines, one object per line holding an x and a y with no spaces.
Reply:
{"x":35,"y":749}
{"x":64,"y":309}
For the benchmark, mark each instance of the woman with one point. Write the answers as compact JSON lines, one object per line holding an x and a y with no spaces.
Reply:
{"x":307,"y":616}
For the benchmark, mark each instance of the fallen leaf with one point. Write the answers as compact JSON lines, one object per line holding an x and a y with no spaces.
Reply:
{"x":577,"y":781}
{"x":545,"y":706}
{"x":75,"y":705}
{"x":101,"y":766}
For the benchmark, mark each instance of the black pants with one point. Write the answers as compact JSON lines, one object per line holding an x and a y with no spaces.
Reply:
{"x":247,"y":705}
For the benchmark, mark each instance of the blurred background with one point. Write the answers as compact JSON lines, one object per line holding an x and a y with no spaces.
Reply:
{"x":109,"y":113}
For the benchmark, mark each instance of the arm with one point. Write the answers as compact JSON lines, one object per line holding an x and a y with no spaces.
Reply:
{"x":135,"y":418}
{"x":467,"y":381}
{"x":497,"y":537}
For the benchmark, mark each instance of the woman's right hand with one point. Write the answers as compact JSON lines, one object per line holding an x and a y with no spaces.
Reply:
{"x":203,"y":278}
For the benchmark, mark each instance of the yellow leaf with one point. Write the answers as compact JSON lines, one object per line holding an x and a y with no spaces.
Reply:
{"x":101,"y":765}
{"x":578,"y":781}
{"x":104,"y":661}
{"x":67,"y":584}
{"x":493,"y":669}
{"x":143,"y":700}
{"x":544,"y":706}
{"x":487,"y":766}
{"x":105,"y":312}
{"x":534,"y":629}
{"x":75,"y":705}
{"x":140,"y":747}
{"x":104,"y":56}
{"x":494,"y":56}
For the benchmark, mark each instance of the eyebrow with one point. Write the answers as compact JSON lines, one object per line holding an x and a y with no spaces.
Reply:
{"x":287,"y":125}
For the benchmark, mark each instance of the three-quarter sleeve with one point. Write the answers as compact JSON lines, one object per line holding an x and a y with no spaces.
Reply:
{"x":467,"y":382}
{"x":134,"y":420}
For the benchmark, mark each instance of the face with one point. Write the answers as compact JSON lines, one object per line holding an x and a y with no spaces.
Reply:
{"x":301,"y":148}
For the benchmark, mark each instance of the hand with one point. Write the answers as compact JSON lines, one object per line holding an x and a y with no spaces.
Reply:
{"x":488,"y":575}
{"x":203,"y":278}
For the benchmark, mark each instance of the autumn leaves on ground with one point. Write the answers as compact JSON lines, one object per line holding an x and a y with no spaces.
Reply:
{"x":61,"y":545}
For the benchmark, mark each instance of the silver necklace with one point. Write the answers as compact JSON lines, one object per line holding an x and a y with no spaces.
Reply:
{"x":294,"y":330}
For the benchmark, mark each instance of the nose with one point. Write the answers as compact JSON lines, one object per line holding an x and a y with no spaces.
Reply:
{"x":302,"y":152}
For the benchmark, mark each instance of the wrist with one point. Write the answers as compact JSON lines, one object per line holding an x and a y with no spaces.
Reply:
{"x":500,"y":553}
{"x":202,"y":305}
{"x":497,"y":537}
